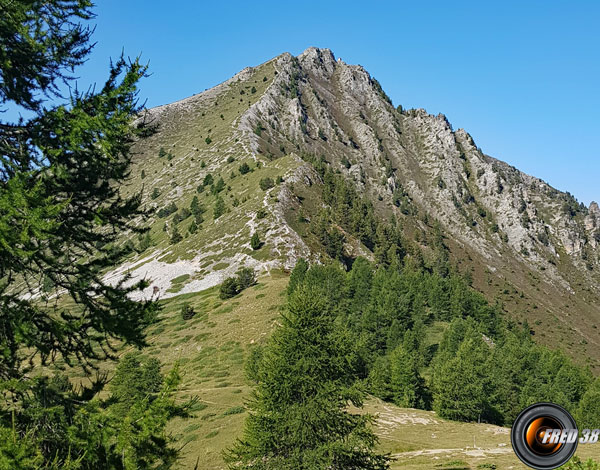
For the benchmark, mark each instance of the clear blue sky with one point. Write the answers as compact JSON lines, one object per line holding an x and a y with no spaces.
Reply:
{"x":522,"y":77}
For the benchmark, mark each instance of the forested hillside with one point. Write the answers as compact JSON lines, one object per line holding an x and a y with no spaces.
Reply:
{"x":283,"y":272}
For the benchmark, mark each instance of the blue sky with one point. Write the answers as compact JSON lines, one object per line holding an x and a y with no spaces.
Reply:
{"x":522,"y":77}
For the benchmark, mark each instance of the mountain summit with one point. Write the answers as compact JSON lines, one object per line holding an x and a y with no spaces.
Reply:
{"x":243,"y":158}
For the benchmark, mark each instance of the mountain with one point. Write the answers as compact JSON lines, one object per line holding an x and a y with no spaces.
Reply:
{"x":529,"y":247}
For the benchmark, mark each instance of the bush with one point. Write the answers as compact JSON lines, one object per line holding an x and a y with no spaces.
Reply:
{"x":155,"y":193}
{"x":181,"y":216}
{"x":175,"y":236}
{"x":187,"y":311}
{"x":218,"y":186}
{"x":162,"y":152}
{"x":266,"y":183}
{"x":244,"y":168}
{"x":255,"y":242}
{"x":230,"y":159}
{"x":208,"y":140}
{"x":229,"y":288}
{"x":246,"y":277}
{"x":253,"y":90}
{"x":167,"y":211}
{"x":219,"y":209}
{"x":261,"y":213}
{"x":208,"y":180}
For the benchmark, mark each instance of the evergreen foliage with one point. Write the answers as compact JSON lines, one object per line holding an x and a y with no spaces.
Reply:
{"x":298,"y":417}
{"x":255,"y":242}
{"x":61,"y":213}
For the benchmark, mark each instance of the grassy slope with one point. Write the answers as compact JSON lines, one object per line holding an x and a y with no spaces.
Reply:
{"x":212,"y":347}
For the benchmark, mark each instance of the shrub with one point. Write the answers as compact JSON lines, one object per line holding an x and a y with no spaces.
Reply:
{"x":208,"y":180}
{"x":244,"y":168}
{"x":181,"y":216}
{"x":208,"y":140}
{"x":175,"y":236}
{"x":155,"y":193}
{"x":246,"y":277}
{"x":255,"y":242}
{"x":253,"y":90}
{"x":219,"y":208}
{"x":162,"y":152}
{"x":261,"y":213}
{"x":229,"y":288}
{"x":266,"y":183}
{"x":143,"y":175}
{"x":187,"y":311}
{"x":218,"y":186}
{"x":167,"y":211}
{"x":230,"y":159}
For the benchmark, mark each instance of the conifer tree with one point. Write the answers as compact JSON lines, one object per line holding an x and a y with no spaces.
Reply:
{"x":255,"y":242}
{"x":298,"y":418}
{"x":61,"y":212}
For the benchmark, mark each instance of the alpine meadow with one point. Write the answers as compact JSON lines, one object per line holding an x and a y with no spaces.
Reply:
{"x":283,"y":272}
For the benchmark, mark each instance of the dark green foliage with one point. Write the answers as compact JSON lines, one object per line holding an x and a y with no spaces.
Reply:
{"x":155,"y":193}
{"x":219,"y":208}
{"x":258,"y":129}
{"x":181,"y":215}
{"x":193,"y":228}
{"x":175,"y":236}
{"x":229,"y":288}
{"x":244,"y":168}
{"x":167,"y":211}
{"x":208,"y":141}
{"x":297,"y":275}
{"x":135,"y":378}
{"x":145,"y":241}
{"x":61,"y":213}
{"x":246,"y":277}
{"x":162,"y":152}
{"x":266,"y":183}
{"x":253,"y":90}
{"x":218,"y":186}
{"x":298,"y":418}
{"x":481,"y":370}
{"x":255,"y":242}
{"x":143,"y":174}
{"x":253,"y":363}
{"x":187,"y":311}
{"x":230,"y":159}
{"x":208,"y":180}
{"x":261,"y":213}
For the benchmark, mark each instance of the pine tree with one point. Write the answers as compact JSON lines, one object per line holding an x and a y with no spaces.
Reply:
{"x":588,"y":412}
{"x":61,"y":213}
{"x":176,"y":236}
{"x":298,"y":417}
{"x":461,"y":385}
{"x":255,"y":242}
{"x":405,"y":382}
{"x":219,"y":208}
